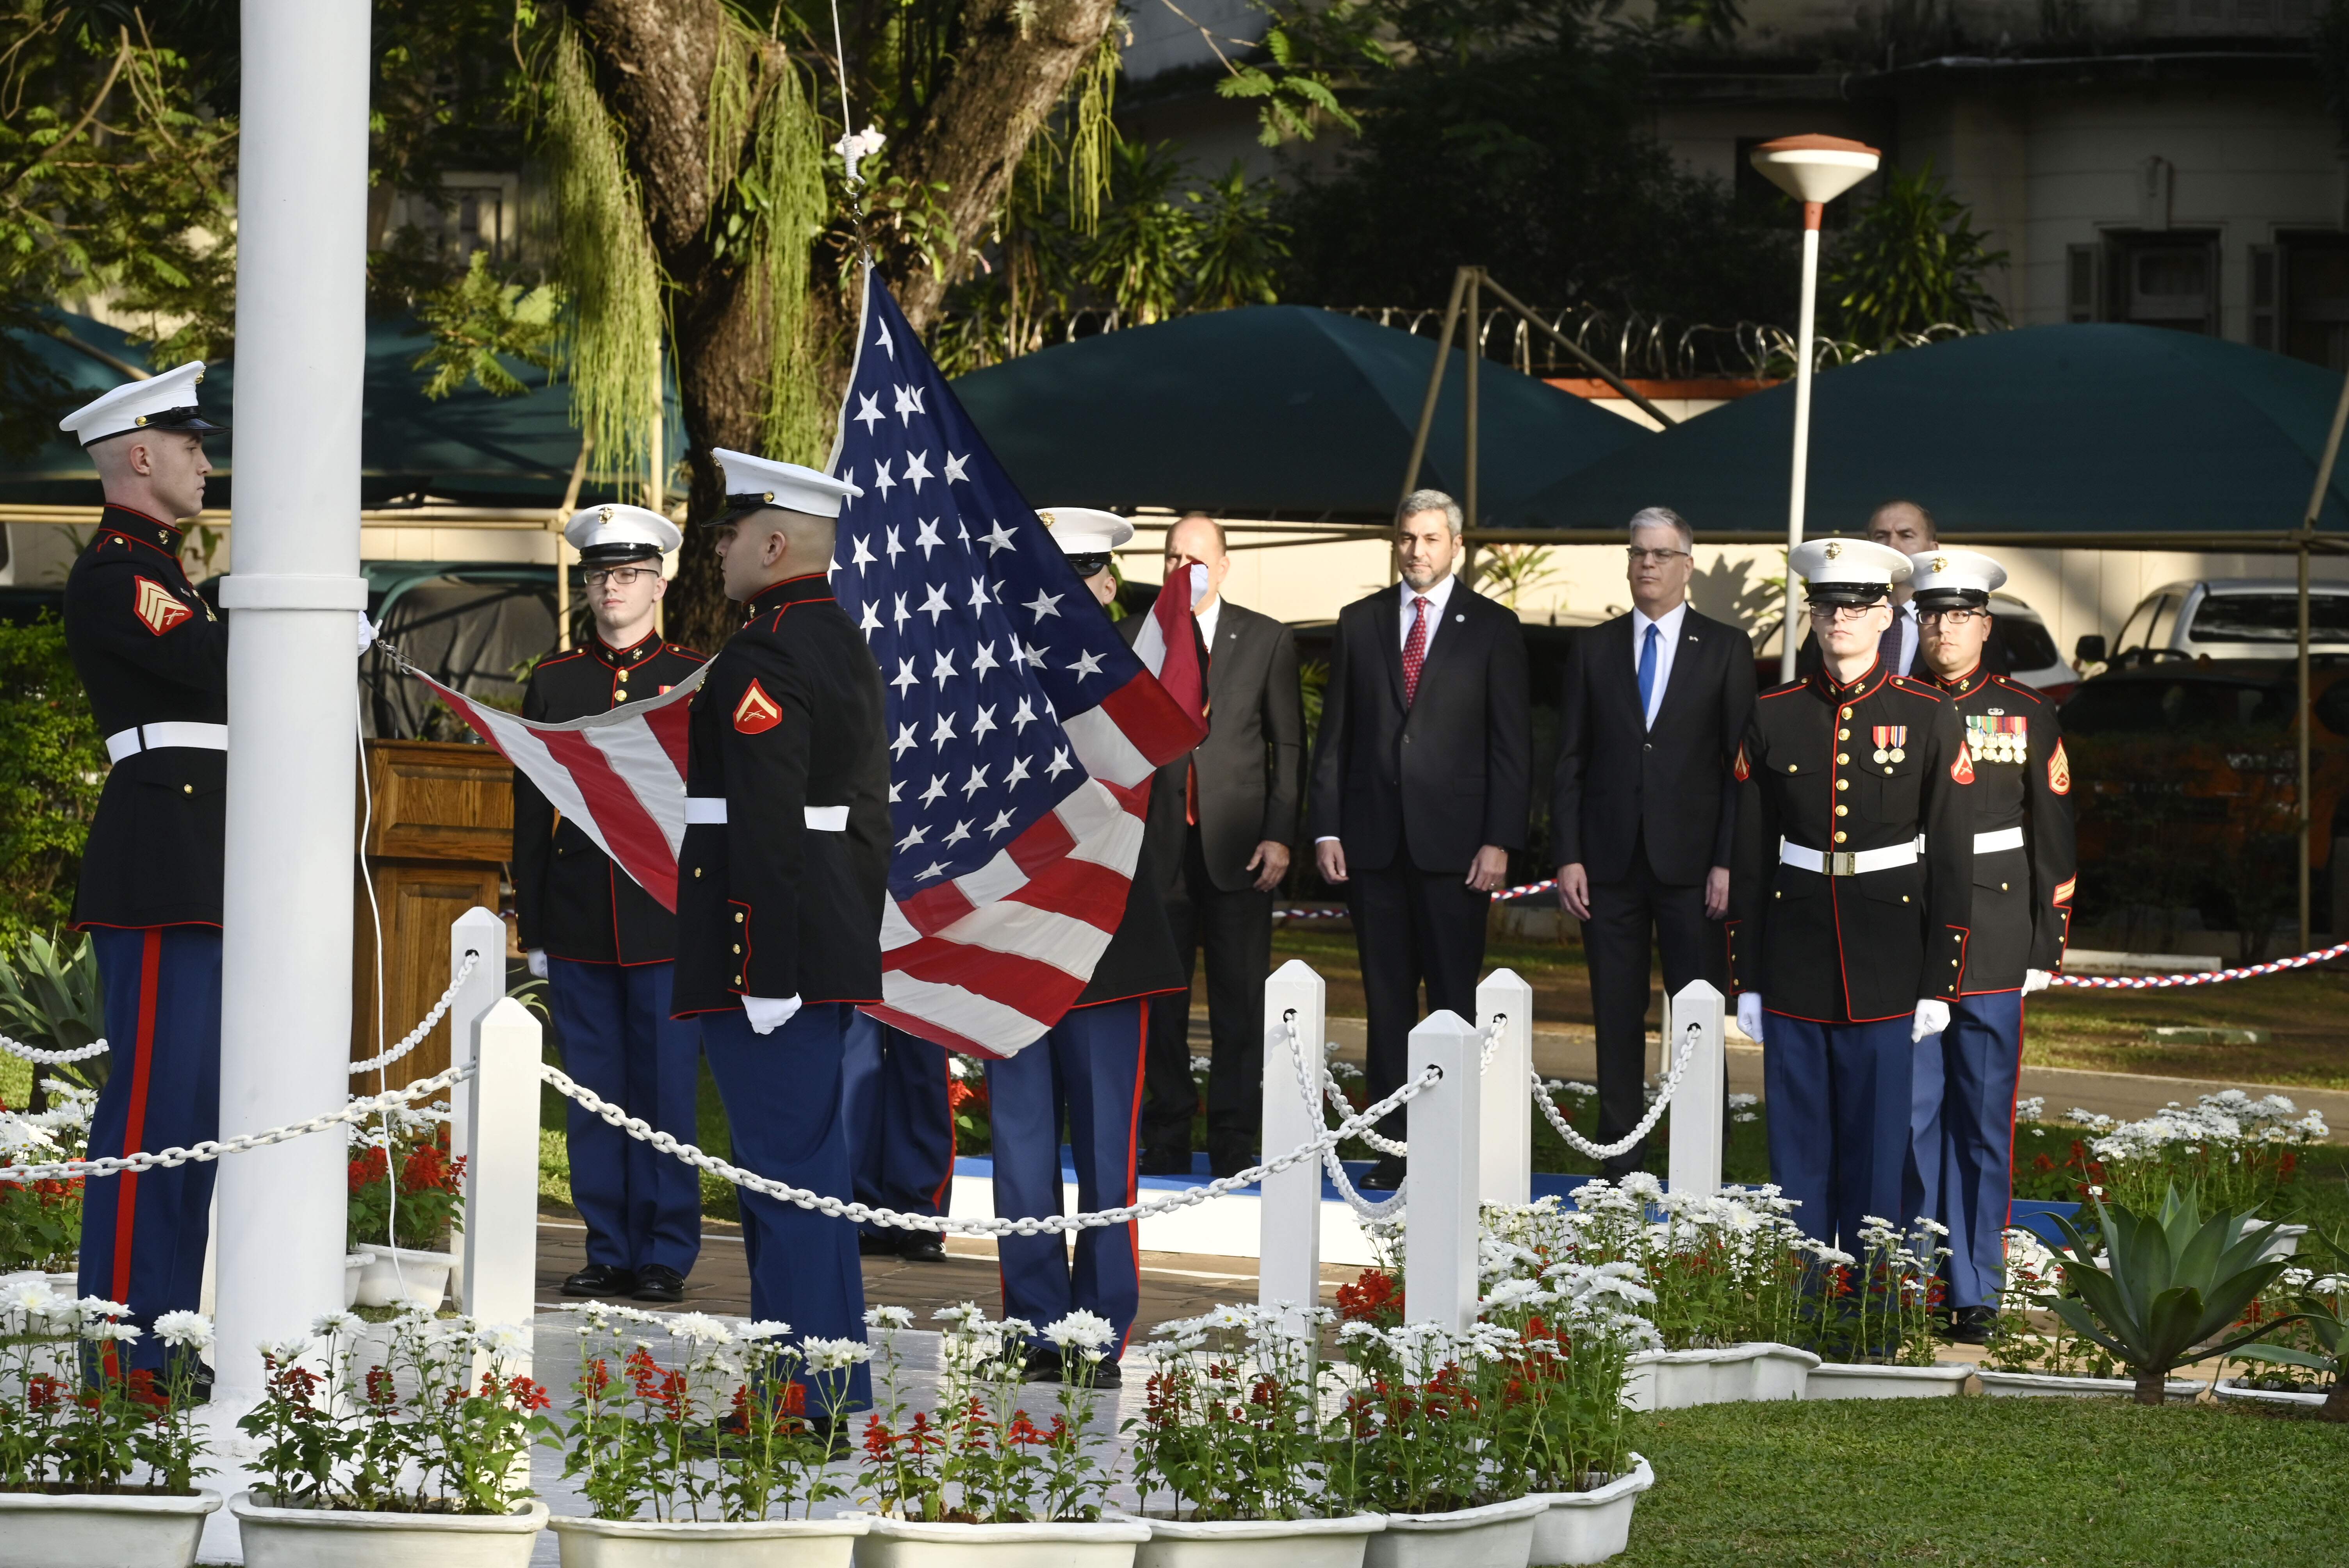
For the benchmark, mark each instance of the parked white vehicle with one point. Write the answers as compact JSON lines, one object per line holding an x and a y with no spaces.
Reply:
{"x":2242,"y":618}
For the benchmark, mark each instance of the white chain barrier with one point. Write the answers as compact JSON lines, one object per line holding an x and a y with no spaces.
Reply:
{"x":1344,"y":1106}
{"x":1046,"y":1224}
{"x":1362,"y":1206}
{"x":416,"y":1036}
{"x":1631,"y":1139}
{"x":212,"y":1149}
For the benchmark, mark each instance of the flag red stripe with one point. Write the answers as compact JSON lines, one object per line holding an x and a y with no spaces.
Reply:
{"x":1045,"y":840}
{"x":937,"y":1034}
{"x":1152,"y":720}
{"x":1178,"y":672}
{"x":933,"y":909}
{"x":637,"y":840}
{"x":1082,"y":890}
{"x":673,"y":727}
{"x":1024,"y":984}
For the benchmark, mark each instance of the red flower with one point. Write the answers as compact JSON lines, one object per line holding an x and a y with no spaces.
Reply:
{"x":1373,"y":1294}
{"x":527,"y":1394}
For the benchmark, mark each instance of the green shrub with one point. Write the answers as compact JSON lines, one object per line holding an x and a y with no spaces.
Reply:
{"x":52,"y":764}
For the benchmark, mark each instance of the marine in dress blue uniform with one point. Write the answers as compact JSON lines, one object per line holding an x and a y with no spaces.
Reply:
{"x":1850,"y":903}
{"x":896,"y":1095}
{"x":154,"y":658}
{"x":2024,"y":870}
{"x":604,"y":945}
{"x":1086,"y":1073}
{"x":781,"y":882}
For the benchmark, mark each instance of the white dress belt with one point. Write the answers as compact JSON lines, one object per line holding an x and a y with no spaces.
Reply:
{"x":1849,"y":862}
{"x":711,"y":810}
{"x":142,"y":737}
{"x":2003,"y":838}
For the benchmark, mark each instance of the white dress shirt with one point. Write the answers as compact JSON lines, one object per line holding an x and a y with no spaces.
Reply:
{"x":1668,"y":637}
{"x":1904,"y":618}
{"x":1206,"y":616}
{"x":1439,"y":594}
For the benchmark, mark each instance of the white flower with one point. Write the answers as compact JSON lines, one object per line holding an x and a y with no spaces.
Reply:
{"x":101,"y":1330}
{"x":184,"y":1329}
{"x":98,"y":1306}
{"x":31,"y":1297}
{"x":968,"y":1318}
{"x":699,"y":1328}
{"x":888,"y":1317}
{"x":769,"y":1328}
{"x":338,"y":1323}
{"x":1511,"y":1293}
{"x":503,"y":1338}
{"x":1082,"y":1329}
{"x":832,"y":1355}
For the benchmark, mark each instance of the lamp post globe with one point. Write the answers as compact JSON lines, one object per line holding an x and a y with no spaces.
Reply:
{"x":1813,"y":171}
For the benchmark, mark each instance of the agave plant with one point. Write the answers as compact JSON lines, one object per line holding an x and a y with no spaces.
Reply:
{"x":2322,"y":1314}
{"x":51,"y":999}
{"x":2170,"y":1283}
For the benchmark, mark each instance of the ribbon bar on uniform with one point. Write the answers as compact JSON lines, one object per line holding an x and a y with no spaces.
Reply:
{"x":142,"y":737}
{"x":710,"y":810}
{"x":1849,"y":862}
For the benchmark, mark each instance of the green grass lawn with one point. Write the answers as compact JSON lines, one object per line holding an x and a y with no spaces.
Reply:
{"x":1990,"y":1482}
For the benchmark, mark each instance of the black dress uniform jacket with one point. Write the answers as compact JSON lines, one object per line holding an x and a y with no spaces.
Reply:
{"x":1866,"y":947}
{"x":570,"y":897}
{"x":2023,"y":897}
{"x":790,"y":718}
{"x":150,"y":650}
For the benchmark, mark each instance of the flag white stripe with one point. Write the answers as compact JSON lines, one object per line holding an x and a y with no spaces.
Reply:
{"x":1104,"y":750}
{"x":983,"y":1021}
{"x":643,"y":763}
{"x":1150,"y":644}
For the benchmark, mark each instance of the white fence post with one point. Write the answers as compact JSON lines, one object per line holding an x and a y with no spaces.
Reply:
{"x":478,"y":929}
{"x":1506,"y":1146}
{"x":502,"y":1176}
{"x":1439,"y":1214}
{"x":1288,"y":1255}
{"x":1695,"y":1159}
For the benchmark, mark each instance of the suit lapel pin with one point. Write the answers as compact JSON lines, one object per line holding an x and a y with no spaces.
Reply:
{"x":1460,"y":617}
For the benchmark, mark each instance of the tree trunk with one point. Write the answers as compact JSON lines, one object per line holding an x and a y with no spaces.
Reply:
{"x":2151,"y":1387}
{"x":2336,"y":1403}
{"x":654,"y":61}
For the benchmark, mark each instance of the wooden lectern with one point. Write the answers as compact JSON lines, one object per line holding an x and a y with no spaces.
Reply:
{"x":441,"y":833}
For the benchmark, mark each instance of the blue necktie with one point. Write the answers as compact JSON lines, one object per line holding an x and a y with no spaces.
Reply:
{"x":1887,"y":646}
{"x":1647,"y":671}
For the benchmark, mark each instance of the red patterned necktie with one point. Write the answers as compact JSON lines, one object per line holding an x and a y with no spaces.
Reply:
{"x":1414,"y":650}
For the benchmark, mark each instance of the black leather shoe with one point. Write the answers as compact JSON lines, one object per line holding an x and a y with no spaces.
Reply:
{"x":1106,"y":1374}
{"x":1973,"y":1324}
{"x":659,"y":1282}
{"x":1164,"y":1162}
{"x":601,"y":1280}
{"x":923,"y":1247}
{"x":1043,"y":1364}
{"x":1383,"y":1177}
{"x":1222,"y":1162}
{"x":877,"y":1243}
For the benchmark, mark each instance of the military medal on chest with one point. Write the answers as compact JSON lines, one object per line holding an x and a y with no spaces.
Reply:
{"x":1998,"y":736}
{"x":1889,"y":740}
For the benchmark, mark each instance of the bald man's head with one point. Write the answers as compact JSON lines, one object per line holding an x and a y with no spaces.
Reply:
{"x":158,"y":472}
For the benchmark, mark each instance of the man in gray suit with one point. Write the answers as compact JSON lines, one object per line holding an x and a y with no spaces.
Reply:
{"x":1221,"y":822}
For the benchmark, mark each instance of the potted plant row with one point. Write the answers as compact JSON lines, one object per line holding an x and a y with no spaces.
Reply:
{"x":98,"y":1459}
{"x":1876,"y":1317}
{"x":412,"y":1449}
{"x":406,"y":1196}
{"x":705,"y":1457}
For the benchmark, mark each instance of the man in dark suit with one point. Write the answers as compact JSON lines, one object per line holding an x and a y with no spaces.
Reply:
{"x":1644,"y":812}
{"x":1221,"y":823}
{"x":1420,"y":776}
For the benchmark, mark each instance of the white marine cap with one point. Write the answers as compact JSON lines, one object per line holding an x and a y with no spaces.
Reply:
{"x":1085,"y":535}
{"x":605,"y":536}
{"x":753,"y":484}
{"x":1847,"y":571}
{"x":1952,"y":579}
{"x":165,"y":402}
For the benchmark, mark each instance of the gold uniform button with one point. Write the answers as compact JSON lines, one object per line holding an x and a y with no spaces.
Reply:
{"x":1843,"y":783}
{"x":1847,"y":713}
{"x":2001,"y":887}
{"x":1843,"y":758}
{"x":1840,"y":838}
{"x":1778,"y":895}
{"x":738,"y":917}
{"x":1843,"y":735}
{"x":1790,"y":767}
{"x":1904,"y":898}
{"x":697,"y":871}
{"x":187,"y":788}
{"x":1842,"y":810}
{"x":738,"y":947}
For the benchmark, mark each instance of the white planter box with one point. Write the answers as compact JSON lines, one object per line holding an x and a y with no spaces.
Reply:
{"x":2230,"y":1390}
{"x":1590,"y":1526}
{"x":425,"y":1274}
{"x":1258,"y":1543}
{"x":1497,"y":1535}
{"x":38,"y":1529}
{"x":2283,"y":1239}
{"x":1675,"y":1379}
{"x":1863,"y":1380}
{"x":338,"y":1538}
{"x":354,"y":1267}
{"x":910,"y":1544}
{"x":2041,"y":1385}
{"x":763,"y":1543}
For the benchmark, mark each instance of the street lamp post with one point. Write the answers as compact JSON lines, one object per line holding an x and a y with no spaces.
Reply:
{"x":1813,"y":171}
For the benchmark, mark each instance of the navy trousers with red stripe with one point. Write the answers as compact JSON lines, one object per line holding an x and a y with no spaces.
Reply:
{"x":893,"y":1102}
{"x":1962,"y":1123}
{"x":642,"y":1207}
{"x":1839,"y":1098}
{"x":143,"y":1233}
{"x":1087,"y":1072}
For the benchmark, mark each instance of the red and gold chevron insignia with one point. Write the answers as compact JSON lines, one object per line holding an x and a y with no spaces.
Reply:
{"x":1963,"y":769}
{"x":158,"y":608}
{"x":2059,"y":771}
{"x":2064,"y":890}
{"x":757,"y":713}
{"x":1743,"y":770}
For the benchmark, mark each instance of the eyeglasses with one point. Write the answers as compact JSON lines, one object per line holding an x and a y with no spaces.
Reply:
{"x":1654,"y":557}
{"x":1839,"y":612}
{"x":620,"y":576}
{"x":1950,"y":617}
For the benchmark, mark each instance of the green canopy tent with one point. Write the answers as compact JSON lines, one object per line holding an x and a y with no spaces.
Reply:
{"x":2088,"y":436}
{"x":1273,"y":412}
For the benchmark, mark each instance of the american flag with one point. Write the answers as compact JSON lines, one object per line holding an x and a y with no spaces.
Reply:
{"x":1023,"y":732}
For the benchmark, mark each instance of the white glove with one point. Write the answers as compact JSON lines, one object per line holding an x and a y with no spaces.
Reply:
{"x":2035,"y":980}
{"x":366,"y":635}
{"x":1749,"y":1014}
{"x":769,"y":1014}
{"x":535,"y":962}
{"x":1933,"y":1017}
